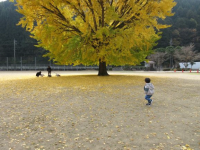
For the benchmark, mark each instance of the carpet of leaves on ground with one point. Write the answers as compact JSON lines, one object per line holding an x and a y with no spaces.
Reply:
{"x":98,"y":113}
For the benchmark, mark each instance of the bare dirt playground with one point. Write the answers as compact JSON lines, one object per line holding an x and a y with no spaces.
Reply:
{"x":81,"y":111}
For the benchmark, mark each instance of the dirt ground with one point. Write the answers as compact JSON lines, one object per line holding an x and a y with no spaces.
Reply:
{"x":81,"y":111}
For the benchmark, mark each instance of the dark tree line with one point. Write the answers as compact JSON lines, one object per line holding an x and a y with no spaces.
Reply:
{"x":185,"y":29}
{"x":9,"y":31}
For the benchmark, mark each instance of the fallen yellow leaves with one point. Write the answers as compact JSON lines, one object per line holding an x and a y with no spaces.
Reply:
{"x":90,"y":112}
{"x":186,"y":147}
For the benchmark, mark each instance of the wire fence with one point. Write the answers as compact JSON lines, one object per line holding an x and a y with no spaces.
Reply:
{"x":36,"y":63}
{"x":41,"y":63}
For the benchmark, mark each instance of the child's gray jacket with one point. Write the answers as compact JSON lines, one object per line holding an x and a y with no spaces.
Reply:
{"x":149,"y":89}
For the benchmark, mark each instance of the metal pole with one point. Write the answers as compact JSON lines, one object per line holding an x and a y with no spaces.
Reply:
{"x":7,"y":63}
{"x":170,"y":61}
{"x":21,"y":63}
{"x":35,"y":63}
{"x":14,"y":56}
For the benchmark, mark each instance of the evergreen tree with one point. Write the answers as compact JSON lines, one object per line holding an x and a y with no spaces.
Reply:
{"x":10,"y":31}
{"x":185,"y":25}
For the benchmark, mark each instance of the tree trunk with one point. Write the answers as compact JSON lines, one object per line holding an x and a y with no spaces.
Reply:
{"x":102,"y":69}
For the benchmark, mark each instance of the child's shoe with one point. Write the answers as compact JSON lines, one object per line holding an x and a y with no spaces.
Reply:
{"x":151,"y":100}
{"x":148,"y":104}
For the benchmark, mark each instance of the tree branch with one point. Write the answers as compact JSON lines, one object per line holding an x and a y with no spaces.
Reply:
{"x":90,"y":6}
{"x":117,"y":24}
{"x":57,"y":12}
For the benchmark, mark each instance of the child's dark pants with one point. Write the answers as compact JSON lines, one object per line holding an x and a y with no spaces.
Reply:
{"x":147,"y":97}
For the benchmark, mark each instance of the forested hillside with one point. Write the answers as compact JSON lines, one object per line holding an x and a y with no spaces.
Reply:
{"x":185,"y":29}
{"x":10,"y":31}
{"x":185,"y":25}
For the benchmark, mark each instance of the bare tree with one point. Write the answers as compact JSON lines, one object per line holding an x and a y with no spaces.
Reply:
{"x":170,"y":50}
{"x":158,"y":58}
{"x":192,"y":63}
{"x":187,"y":55}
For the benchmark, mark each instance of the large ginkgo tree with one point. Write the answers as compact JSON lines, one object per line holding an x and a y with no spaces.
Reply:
{"x":95,"y":32}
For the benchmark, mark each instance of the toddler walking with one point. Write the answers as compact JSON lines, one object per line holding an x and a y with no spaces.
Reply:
{"x":149,"y":90}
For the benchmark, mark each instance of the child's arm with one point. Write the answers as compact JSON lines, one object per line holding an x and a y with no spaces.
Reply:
{"x":146,"y":89}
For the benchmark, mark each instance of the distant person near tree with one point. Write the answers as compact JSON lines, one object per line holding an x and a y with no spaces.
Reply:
{"x":149,"y":90}
{"x":49,"y":71}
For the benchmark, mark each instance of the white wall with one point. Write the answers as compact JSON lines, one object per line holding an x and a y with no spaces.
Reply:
{"x":195,"y":66}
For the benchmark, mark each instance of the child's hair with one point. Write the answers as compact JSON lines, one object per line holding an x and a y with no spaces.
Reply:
{"x":147,"y":80}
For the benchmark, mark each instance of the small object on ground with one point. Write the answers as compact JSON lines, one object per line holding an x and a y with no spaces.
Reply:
{"x":57,"y":75}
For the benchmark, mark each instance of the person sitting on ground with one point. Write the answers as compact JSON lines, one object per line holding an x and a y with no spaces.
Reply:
{"x":38,"y":73}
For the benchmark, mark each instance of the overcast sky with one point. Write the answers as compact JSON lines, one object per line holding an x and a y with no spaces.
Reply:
{"x":2,"y":0}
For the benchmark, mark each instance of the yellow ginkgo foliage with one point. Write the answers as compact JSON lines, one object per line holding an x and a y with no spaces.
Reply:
{"x":101,"y":32}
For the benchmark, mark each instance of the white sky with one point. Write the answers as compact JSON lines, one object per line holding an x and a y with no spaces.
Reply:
{"x":2,"y":0}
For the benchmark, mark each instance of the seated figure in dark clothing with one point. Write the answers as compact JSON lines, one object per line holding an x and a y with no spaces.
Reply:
{"x":39,"y":74}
